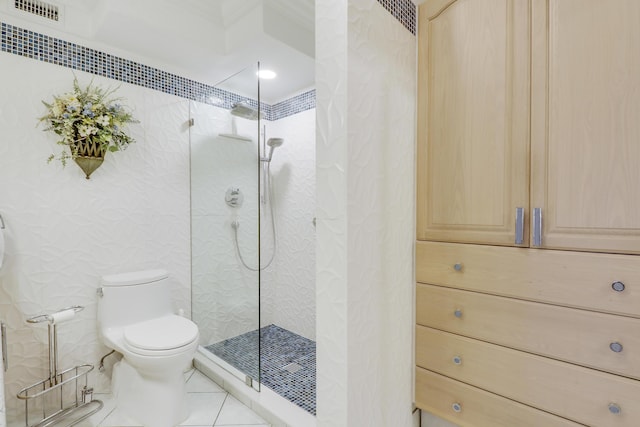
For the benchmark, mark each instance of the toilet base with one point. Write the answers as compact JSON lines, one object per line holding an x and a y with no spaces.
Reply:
{"x":153,"y":402}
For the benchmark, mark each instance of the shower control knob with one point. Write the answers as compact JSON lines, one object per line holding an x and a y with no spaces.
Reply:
{"x":234,"y":197}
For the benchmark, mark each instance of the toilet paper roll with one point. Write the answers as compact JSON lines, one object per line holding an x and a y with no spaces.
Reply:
{"x":63,"y":316}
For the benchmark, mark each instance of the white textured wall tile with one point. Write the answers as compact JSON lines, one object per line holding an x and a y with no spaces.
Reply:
{"x":331,"y":247}
{"x":225,"y":294}
{"x":369,"y":295}
{"x":64,"y":231}
{"x":288,"y":289}
{"x":381,"y":93}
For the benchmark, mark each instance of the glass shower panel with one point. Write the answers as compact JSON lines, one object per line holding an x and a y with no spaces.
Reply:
{"x":225,"y":209}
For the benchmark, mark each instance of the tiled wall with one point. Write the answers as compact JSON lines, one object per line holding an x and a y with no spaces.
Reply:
{"x":41,"y":47}
{"x":225,"y":294}
{"x":404,"y":11}
{"x":365,"y":82}
{"x":63,"y":231}
{"x":288,"y":286}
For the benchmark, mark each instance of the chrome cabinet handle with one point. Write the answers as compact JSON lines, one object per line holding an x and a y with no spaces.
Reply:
{"x":519,"y":226}
{"x":537,"y":226}
{"x":457,"y":360}
{"x":458,"y":313}
{"x":456,"y":407}
{"x":457,"y":267}
{"x":5,"y":357}
{"x":618,"y":286}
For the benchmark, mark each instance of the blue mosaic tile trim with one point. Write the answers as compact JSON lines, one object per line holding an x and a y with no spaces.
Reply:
{"x":41,"y":47}
{"x":404,"y":11}
{"x":297,"y":104}
{"x":279,"y":348}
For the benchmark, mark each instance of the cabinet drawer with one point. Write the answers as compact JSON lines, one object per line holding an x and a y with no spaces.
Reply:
{"x":575,"y":279}
{"x":584,"y":337}
{"x":477,"y":408}
{"x":579,"y":394}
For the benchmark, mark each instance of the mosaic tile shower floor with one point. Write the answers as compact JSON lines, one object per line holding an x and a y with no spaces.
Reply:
{"x":288,"y":362}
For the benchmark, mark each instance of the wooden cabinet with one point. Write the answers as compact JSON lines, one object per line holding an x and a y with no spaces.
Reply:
{"x":532,"y":104}
{"x":585,"y":132}
{"x":470,"y":406}
{"x":529,"y":106}
{"x":473,"y":115}
{"x":554,"y":330}
{"x":585,"y":396}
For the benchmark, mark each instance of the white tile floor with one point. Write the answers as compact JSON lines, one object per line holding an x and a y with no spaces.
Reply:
{"x":210,"y":406}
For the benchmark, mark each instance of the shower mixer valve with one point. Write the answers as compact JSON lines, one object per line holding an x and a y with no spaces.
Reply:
{"x":234,"y":197}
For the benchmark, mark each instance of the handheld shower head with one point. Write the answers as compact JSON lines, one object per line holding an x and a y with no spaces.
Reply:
{"x":273,"y":143}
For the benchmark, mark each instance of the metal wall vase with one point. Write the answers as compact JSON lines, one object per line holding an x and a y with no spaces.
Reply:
{"x":89,"y":156}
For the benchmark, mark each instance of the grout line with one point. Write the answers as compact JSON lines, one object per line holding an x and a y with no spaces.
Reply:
{"x":220,"y":411}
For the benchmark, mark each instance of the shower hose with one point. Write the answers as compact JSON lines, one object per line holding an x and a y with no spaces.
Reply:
{"x":236,"y":224}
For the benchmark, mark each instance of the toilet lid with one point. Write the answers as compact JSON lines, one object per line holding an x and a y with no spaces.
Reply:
{"x":163,"y":333}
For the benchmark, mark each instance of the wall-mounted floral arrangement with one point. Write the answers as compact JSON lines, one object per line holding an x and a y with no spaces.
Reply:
{"x":90,"y":123}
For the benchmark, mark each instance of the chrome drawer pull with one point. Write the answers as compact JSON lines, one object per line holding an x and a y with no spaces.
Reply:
{"x":458,"y":407}
{"x":614,"y":408}
{"x":615,"y":347}
{"x":457,"y":267}
{"x":457,"y":313}
{"x":618,"y":286}
{"x":457,"y":360}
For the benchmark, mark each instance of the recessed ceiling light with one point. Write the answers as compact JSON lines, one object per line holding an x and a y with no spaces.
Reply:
{"x":266,"y":74}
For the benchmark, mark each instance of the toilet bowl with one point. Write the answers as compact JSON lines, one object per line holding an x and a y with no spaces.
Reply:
{"x":135,"y":318}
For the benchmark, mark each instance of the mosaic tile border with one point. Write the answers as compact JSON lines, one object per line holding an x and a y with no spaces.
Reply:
{"x":288,"y":362}
{"x":38,"y":46}
{"x":404,"y":11}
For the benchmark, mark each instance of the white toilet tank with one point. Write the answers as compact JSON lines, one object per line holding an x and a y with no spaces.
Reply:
{"x":129,"y":298}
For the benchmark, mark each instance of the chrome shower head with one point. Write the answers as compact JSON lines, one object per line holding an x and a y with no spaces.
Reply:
{"x":244,"y":110}
{"x":273,"y":143}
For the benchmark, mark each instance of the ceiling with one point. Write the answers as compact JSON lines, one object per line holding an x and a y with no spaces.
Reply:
{"x":207,"y":40}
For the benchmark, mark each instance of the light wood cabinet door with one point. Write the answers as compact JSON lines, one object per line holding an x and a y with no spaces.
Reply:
{"x":473,"y":115}
{"x":585,"y":129}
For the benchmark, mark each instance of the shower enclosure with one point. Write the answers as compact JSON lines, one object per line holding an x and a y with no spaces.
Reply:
{"x":235,"y":243}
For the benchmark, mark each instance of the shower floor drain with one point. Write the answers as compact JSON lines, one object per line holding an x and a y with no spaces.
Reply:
{"x":292,"y":367}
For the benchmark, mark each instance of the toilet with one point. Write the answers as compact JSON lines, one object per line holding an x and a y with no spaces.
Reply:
{"x":136,"y":318}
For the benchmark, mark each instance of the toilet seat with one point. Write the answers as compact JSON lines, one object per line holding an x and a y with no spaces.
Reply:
{"x":162,"y":336}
